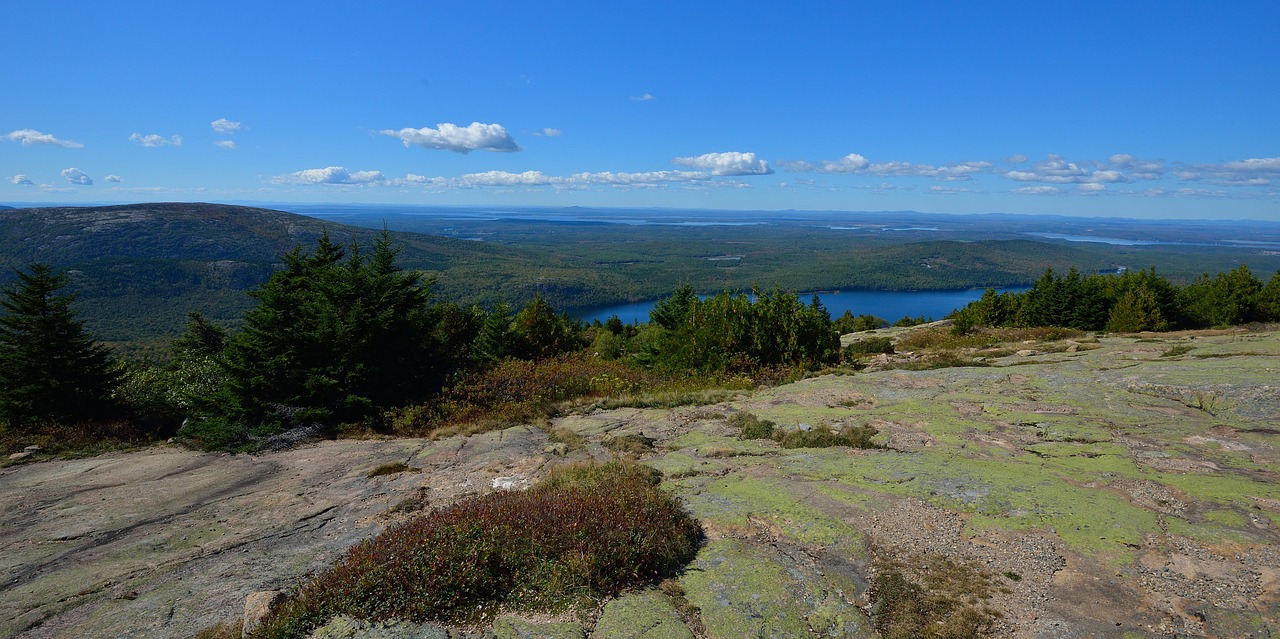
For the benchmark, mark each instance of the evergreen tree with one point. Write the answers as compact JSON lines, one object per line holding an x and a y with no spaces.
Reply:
{"x":540,"y":332}
{"x":1267,"y":301}
{"x":50,"y":369}
{"x":671,"y":312}
{"x":1137,"y":311}
{"x":335,"y":336}
{"x":496,"y":339}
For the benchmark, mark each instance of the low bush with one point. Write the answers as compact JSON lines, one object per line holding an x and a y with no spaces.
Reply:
{"x":632,"y":444}
{"x":518,"y":391}
{"x":389,"y":468}
{"x":822,"y":437}
{"x":751,"y":426}
{"x":587,"y":531}
{"x":870,"y":346}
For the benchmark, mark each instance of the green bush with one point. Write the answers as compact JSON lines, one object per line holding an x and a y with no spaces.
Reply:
{"x":871,"y":345}
{"x":823,"y":437}
{"x":752,"y":427}
{"x":587,"y":531}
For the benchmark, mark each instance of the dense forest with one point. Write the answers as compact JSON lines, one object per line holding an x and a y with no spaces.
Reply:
{"x":1129,"y":302}
{"x":138,"y":269}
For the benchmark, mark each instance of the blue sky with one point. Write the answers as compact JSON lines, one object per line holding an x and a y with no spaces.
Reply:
{"x":1163,"y":109}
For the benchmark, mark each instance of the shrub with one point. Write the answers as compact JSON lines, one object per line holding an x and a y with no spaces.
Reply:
{"x":518,"y":391}
{"x":870,"y":345}
{"x":586,"y":531}
{"x":631,"y":444}
{"x":822,"y":437}
{"x":752,"y":426}
{"x":389,"y":468}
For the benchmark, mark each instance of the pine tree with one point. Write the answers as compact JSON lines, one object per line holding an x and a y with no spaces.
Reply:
{"x":50,"y":369}
{"x":1138,"y":310}
{"x":336,"y":335}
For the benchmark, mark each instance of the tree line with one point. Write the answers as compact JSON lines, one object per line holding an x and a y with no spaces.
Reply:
{"x":1128,"y":302}
{"x":341,"y":334}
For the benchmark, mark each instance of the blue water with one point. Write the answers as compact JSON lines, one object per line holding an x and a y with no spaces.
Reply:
{"x":888,"y":305}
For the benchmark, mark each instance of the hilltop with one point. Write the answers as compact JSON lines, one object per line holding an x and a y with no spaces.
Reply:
{"x":139,"y":268}
{"x":1117,"y":486}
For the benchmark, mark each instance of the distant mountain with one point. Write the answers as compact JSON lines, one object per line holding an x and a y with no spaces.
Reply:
{"x":139,"y":268}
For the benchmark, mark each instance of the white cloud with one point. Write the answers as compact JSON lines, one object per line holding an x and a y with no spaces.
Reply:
{"x":1037,"y":190}
{"x":504,"y":178}
{"x":948,"y":190}
{"x":336,"y":175}
{"x":1017,"y":158}
{"x":552,"y":133}
{"x":31,"y":136}
{"x":729,"y":163}
{"x":223,"y":126}
{"x":1136,"y":168}
{"x":21,"y":180}
{"x":1250,"y":172}
{"x":1091,"y":188}
{"x":333,"y":175}
{"x":646,"y":179}
{"x":226,"y":144}
{"x":154,"y":139}
{"x":113,"y":178}
{"x":644,"y":97}
{"x":1255,"y":165}
{"x":451,"y":137}
{"x":76,"y":176}
{"x":855,"y":164}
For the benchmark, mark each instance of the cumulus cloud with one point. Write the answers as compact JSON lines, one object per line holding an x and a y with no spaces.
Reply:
{"x":21,"y":180}
{"x":32,"y":136}
{"x":644,"y":97}
{"x":1037,"y":190}
{"x":451,"y":137}
{"x":1250,"y":172}
{"x":550,"y":132}
{"x":113,"y":178}
{"x":855,"y":164}
{"x":223,"y":126}
{"x":154,"y":139}
{"x":1091,"y":188}
{"x":334,"y":175}
{"x":226,"y":144}
{"x":948,"y":190}
{"x":729,"y":163}
{"x":1016,"y":158}
{"x":1137,"y":168}
{"x":76,"y":176}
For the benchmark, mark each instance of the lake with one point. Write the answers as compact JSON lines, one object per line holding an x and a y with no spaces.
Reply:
{"x":888,"y":305}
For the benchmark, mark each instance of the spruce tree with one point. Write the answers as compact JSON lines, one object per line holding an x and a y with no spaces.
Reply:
{"x":50,"y":369}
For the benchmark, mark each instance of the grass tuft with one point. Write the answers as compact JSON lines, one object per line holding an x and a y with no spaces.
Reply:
{"x":586,"y":531}
{"x":389,"y":468}
{"x":946,"y":603}
{"x":753,"y":427}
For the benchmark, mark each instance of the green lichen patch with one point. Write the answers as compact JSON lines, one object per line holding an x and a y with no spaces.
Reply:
{"x":708,"y":445}
{"x":680,"y":464}
{"x":642,"y":615}
{"x":517,"y":628}
{"x":748,"y":591}
{"x":734,"y":500}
